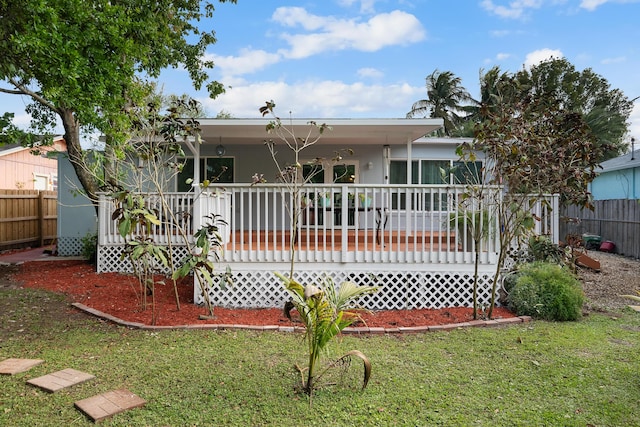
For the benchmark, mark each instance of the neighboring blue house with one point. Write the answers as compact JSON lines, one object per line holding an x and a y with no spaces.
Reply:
{"x":77,"y":217}
{"x":618,"y":179}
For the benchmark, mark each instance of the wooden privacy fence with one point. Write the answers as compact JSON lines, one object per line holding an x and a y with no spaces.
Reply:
{"x":27,"y":218}
{"x":615,"y":220}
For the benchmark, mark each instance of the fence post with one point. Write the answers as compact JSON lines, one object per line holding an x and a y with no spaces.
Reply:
{"x":41,"y":218}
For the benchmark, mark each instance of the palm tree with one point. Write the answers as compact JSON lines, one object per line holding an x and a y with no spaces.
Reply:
{"x":445,"y":99}
{"x":496,"y":89}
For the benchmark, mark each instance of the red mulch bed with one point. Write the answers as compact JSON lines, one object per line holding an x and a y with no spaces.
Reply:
{"x":116,"y":294}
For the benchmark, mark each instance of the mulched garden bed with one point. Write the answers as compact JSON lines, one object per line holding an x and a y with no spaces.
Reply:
{"x":118,"y":295}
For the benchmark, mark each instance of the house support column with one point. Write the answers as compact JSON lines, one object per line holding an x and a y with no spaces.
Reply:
{"x":194,"y":147}
{"x":408,"y":211}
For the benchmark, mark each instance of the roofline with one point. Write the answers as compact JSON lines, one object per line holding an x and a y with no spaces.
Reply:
{"x":22,"y":148}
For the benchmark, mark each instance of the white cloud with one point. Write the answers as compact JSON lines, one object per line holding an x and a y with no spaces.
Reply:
{"x":372,"y":73}
{"x":503,"y":56}
{"x":249,"y":61}
{"x":318,"y":99}
{"x":328,"y":33}
{"x":500,"y":33}
{"x":22,"y":120}
{"x":515,"y":9}
{"x":592,"y":5}
{"x":616,"y":60}
{"x":366,"y":6}
{"x":541,"y":55}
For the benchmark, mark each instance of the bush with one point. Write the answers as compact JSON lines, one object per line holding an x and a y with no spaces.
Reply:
{"x":547,"y":291}
{"x":90,"y":247}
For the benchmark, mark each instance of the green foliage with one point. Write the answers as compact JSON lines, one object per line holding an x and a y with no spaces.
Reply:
{"x":560,"y":85}
{"x":135,"y":221}
{"x":90,"y":247}
{"x":148,"y":165}
{"x":547,"y":291}
{"x":446,"y":98}
{"x":541,"y":248}
{"x":201,"y":258}
{"x":325,"y":312}
{"x":80,"y":61}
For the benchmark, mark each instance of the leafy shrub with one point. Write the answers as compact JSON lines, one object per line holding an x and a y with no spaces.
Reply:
{"x":90,"y":247}
{"x":541,"y":248}
{"x":547,"y":291}
{"x":510,"y":279}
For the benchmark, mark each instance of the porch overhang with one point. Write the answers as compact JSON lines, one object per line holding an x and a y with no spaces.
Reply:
{"x":343,"y":131}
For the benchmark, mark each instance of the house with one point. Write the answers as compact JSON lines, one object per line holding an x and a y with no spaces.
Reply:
{"x":20,"y":169}
{"x":619,"y":178}
{"x":77,"y":217}
{"x":615,"y":216}
{"x":381,"y":216}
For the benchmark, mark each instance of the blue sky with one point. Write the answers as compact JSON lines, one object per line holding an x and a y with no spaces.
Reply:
{"x":369,"y":58}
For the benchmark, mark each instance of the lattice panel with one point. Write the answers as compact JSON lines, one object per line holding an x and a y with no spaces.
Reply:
{"x":398,"y":290}
{"x":109,"y":259}
{"x":69,"y":246}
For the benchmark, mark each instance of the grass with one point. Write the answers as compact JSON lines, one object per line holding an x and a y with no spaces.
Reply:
{"x":538,"y":374}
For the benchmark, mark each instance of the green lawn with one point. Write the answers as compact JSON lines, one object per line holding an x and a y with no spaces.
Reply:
{"x":537,"y":374}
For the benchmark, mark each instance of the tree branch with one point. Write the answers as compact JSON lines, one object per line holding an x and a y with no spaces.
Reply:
{"x":24,"y":91}
{"x":12,"y":91}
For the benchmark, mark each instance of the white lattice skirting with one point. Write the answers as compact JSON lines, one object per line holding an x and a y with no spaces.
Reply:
{"x":399,"y":290}
{"x":402,"y":286}
{"x":109,"y":260}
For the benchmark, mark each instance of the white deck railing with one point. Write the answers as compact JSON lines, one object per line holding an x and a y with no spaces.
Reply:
{"x":337,"y":223}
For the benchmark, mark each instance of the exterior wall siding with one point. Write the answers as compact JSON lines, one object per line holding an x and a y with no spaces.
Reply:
{"x":18,"y":169}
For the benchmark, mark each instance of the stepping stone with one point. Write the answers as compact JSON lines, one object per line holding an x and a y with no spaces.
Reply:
{"x":61,"y":379}
{"x":14,"y":366}
{"x":108,"y":404}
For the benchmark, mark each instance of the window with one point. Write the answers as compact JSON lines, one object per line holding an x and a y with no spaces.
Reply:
{"x":435,"y":172}
{"x":40,"y":182}
{"x":343,"y":173}
{"x":431,"y":172}
{"x":467,"y":172}
{"x":215,"y":169}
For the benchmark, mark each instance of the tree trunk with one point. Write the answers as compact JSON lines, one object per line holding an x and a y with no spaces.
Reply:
{"x":72,"y":138}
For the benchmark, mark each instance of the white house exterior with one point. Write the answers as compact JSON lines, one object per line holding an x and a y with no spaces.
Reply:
{"x":379,"y":217}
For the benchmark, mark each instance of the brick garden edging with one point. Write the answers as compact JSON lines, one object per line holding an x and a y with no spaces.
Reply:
{"x":352,"y":331}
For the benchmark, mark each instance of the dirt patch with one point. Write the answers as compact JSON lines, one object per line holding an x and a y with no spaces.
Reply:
{"x":618,"y":276}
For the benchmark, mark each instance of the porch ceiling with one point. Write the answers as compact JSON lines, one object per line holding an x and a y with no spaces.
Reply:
{"x":351,"y":131}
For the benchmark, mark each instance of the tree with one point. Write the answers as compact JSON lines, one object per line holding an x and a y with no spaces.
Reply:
{"x":533,"y":150}
{"x":83,"y":62}
{"x":556,"y":81}
{"x":445,"y":99}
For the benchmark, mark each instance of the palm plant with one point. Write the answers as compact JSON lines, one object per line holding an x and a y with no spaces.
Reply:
{"x":325,"y":312}
{"x":445,"y":99}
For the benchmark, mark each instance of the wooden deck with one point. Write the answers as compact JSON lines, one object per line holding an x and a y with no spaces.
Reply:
{"x":360,"y":240}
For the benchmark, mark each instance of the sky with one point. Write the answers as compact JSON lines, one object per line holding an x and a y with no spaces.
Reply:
{"x":369,"y":58}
